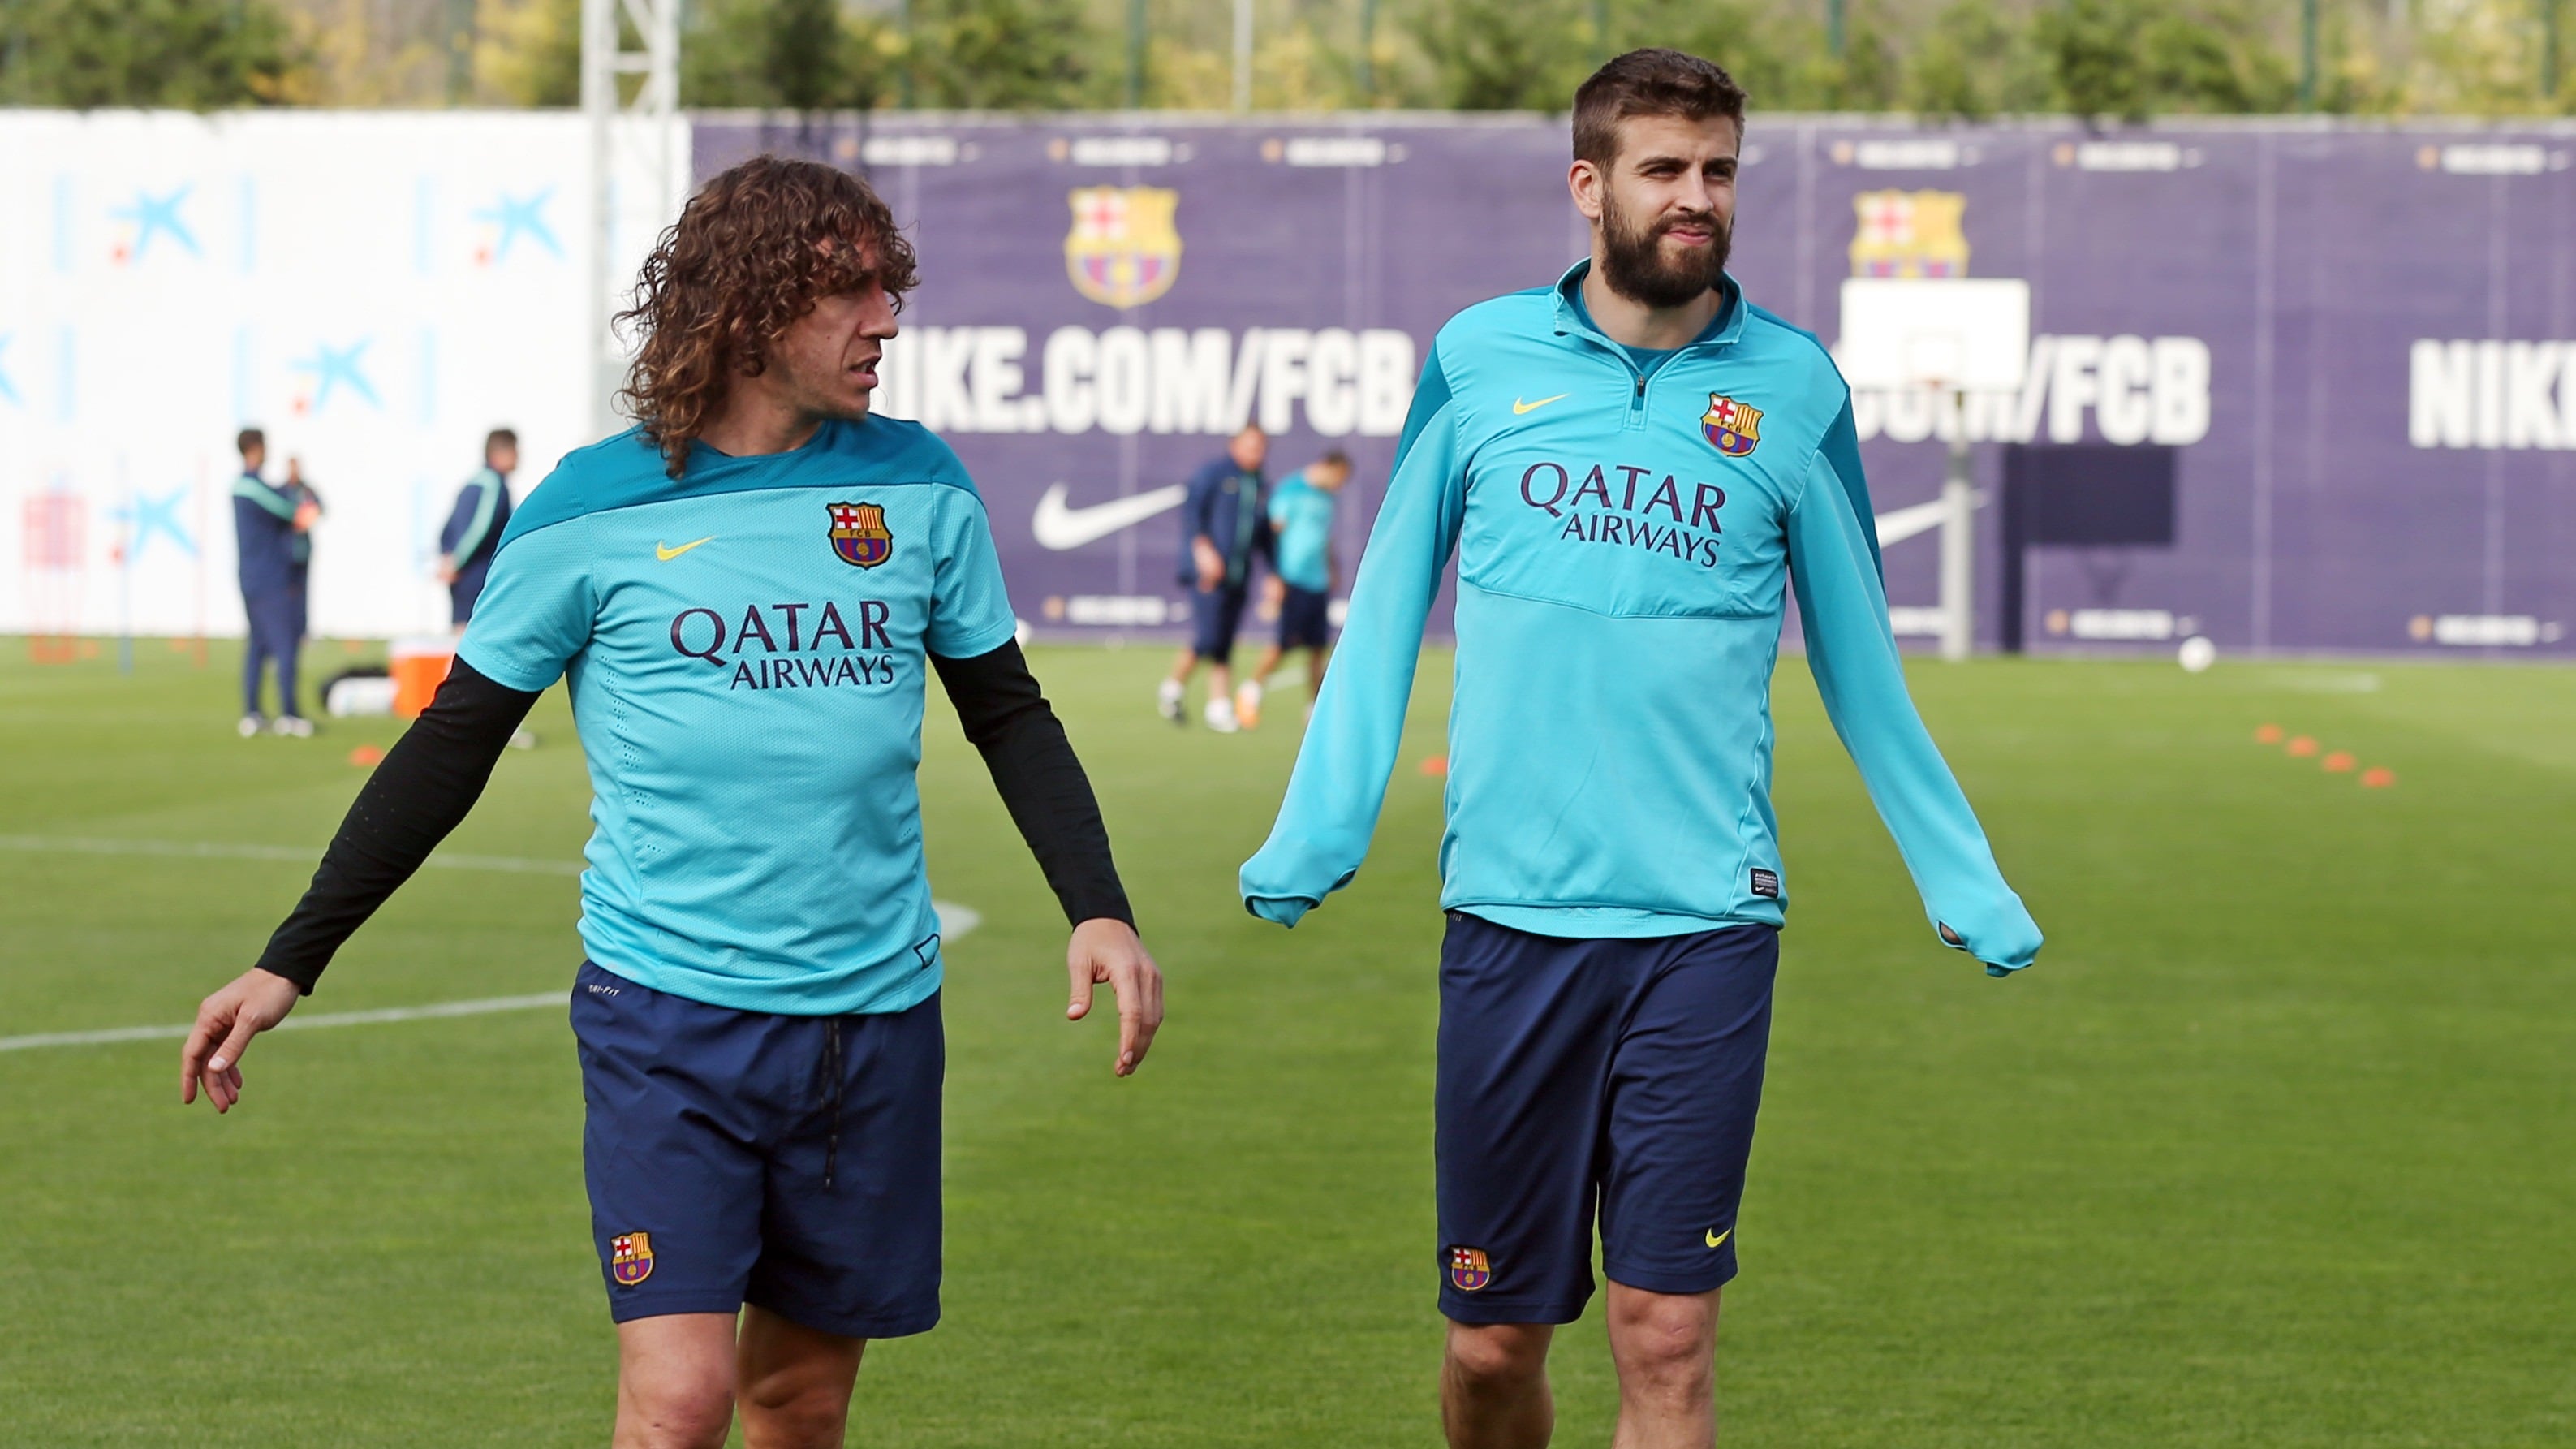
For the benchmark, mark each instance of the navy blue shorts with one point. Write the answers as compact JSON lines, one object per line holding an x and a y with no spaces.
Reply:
{"x":1617,"y":1076}
{"x":1215,"y":615}
{"x":1305,"y":618}
{"x":789,"y":1162}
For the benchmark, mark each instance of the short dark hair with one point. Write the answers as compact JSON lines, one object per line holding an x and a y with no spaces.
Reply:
{"x":500,"y":438}
{"x":247,"y":439}
{"x":1650,"y":83}
{"x":1335,"y":458}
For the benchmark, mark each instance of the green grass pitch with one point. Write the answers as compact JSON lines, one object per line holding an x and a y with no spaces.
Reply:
{"x":2276,"y":1146}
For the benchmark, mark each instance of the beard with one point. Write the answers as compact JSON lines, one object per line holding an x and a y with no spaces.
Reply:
{"x":1633,"y":263}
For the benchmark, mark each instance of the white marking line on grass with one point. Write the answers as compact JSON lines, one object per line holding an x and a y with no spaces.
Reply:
{"x":206,"y":850}
{"x":329,"y":1018}
{"x":954,"y":921}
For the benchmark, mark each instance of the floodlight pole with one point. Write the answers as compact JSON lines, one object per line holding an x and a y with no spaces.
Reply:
{"x":1243,"y":55}
{"x":1958,"y":540}
{"x":651,"y":128}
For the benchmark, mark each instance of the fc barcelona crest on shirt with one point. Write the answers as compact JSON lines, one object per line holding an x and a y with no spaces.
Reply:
{"x":1732,"y":427}
{"x":860,"y":535}
{"x":1123,"y":250}
{"x":1468,"y":1269}
{"x":630,"y":1258}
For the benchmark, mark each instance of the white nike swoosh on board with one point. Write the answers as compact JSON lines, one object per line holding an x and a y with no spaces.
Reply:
{"x":1058,"y":527}
{"x":1899,"y":524}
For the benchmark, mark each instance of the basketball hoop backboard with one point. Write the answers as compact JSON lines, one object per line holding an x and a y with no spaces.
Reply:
{"x":1949,"y":334}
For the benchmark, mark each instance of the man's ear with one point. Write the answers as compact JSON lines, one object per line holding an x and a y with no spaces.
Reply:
{"x":1584,"y":180}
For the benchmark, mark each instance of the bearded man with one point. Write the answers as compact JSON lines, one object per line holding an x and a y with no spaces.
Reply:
{"x":1632,"y":467}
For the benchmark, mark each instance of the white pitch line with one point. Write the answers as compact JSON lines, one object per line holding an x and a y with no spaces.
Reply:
{"x":209,"y":850}
{"x":328,"y":1018}
{"x":955,"y":921}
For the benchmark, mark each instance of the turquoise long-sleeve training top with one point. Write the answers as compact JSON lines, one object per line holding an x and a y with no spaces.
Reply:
{"x":1625,"y":544}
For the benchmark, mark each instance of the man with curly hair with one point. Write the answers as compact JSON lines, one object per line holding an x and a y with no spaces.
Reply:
{"x":746,"y":591}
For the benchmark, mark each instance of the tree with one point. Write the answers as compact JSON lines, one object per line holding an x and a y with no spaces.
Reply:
{"x":1506,"y":55}
{"x":1974,"y":62}
{"x":2130,"y":58}
{"x":797,"y":55}
{"x":191,"y":54}
{"x":1006,"y":55}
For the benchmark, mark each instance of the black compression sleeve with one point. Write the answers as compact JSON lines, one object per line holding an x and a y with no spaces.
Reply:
{"x":1033,"y":766}
{"x":431,"y":777}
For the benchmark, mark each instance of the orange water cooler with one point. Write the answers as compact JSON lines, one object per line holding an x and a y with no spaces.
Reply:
{"x":419,"y":666}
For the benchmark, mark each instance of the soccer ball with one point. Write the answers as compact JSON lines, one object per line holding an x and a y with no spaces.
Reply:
{"x":2196,"y":654}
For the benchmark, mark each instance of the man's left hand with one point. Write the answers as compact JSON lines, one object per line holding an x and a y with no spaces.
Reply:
{"x":1104,"y":949}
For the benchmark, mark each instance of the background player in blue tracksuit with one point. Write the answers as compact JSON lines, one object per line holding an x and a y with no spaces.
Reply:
{"x":272,"y":533}
{"x":475,"y":526}
{"x":748,"y":593}
{"x":1302,"y":576}
{"x":1633,"y":468}
{"x":1224,"y":527}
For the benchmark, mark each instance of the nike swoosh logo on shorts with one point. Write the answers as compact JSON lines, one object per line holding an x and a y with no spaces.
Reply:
{"x":1059,"y":528}
{"x":666,"y":553}
{"x":1519,"y":407}
{"x":1716,"y":1238}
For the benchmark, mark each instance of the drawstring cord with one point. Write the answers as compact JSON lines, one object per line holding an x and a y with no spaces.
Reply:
{"x":832,"y":1100}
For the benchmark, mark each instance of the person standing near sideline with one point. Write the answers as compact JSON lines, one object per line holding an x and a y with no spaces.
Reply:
{"x":273,"y":538}
{"x":749,"y":592}
{"x":1634,"y":467}
{"x":1223,"y":528}
{"x":475,"y":525}
{"x":1301,"y":578}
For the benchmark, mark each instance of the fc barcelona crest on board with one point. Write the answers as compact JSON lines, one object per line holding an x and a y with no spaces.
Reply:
{"x":1468,"y":1269}
{"x":1731,"y":427}
{"x":1123,"y":250}
{"x":859,"y":533}
{"x":630,"y":1258}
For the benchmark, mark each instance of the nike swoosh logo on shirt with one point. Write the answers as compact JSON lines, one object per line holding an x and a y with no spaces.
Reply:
{"x":1716,"y":1238}
{"x":666,"y":554}
{"x":1059,"y":528}
{"x":1519,"y":407}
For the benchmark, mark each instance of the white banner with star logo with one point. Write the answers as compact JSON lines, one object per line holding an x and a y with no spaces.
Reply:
{"x":376,"y":292}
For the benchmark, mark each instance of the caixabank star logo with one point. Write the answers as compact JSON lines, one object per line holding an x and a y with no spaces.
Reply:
{"x":1124,"y":249}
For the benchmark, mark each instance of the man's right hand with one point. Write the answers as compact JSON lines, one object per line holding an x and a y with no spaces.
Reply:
{"x":226,"y":1021}
{"x":1211,"y":564}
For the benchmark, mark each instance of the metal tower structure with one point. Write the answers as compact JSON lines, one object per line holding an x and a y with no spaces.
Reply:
{"x":638,"y":134}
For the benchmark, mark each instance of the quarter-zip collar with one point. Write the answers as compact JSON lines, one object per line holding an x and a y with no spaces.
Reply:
{"x":1570,"y":318}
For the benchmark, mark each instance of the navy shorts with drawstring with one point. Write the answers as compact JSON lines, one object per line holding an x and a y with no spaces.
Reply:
{"x":740,"y":1157}
{"x":1594,"y":1080}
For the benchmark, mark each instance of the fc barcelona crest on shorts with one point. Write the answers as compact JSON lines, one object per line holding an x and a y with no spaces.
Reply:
{"x":859,"y":534}
{"x":1468,"y":1269}
{"x":1732,"y":427}
{"x":630,"y":1258}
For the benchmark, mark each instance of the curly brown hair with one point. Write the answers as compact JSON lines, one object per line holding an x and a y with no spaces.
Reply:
{"x":749,"y":255}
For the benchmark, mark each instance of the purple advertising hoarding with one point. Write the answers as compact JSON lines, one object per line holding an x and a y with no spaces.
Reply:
{"x":2354,"y":345}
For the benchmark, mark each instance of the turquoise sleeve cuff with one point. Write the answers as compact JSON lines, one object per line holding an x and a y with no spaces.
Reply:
{"x":1280,"y":910}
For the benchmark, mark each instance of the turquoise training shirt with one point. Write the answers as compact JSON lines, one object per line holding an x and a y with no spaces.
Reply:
{"x":1301,"y":517}
{"x":746,"y":647}
{"x":1626,"y":543}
